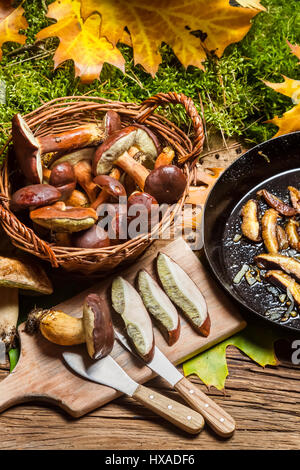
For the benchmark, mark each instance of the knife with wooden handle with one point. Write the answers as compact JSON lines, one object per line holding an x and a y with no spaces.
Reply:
{"x":107,"y":371}
{"x":220,"y":421}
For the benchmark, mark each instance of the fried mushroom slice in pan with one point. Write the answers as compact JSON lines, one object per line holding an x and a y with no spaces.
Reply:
{"x":250,"y":222}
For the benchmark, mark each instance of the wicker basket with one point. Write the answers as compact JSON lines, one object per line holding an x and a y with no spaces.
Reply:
{"x":61,"y":114}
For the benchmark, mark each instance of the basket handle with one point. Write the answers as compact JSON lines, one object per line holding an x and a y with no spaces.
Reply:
{"x":162,"y":99}
{"x":8,"y":219}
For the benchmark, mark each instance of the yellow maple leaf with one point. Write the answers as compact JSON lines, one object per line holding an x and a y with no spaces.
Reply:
{"x":80,"y":40}
{"x":172,"y":22}
{"x":11,"y":21}
{"x":289,"y":121}
{"x":251,"y":4}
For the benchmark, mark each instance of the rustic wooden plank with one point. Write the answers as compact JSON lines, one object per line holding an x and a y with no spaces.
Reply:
{"x":264,"y":402}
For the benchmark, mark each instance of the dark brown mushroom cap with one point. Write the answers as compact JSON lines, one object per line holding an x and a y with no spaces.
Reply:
{"x":139,"y":200}
{"x":66,"y":190}
{"x":166,"y":183}
{"x":112,"y":122}
{"x":35,"y":195}
{"x":27,"y":149}
{"x":99,"y":331}
{"x":121,"y":141}
{"x":61,"y":218}
{"x":62,"y":173}
{"x":94,"y":237}
{"x":111,"y":185}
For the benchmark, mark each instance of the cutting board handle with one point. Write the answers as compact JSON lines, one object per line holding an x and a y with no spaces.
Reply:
{"x":12,"y":391}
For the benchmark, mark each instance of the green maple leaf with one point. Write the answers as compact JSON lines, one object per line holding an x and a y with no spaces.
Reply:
{"x":257,"y":343}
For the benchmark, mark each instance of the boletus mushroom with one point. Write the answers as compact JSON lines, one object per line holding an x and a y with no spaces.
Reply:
{"x":127,"y":302}
{"x":94,"y":237}
{"x":166,"y":184}
{"x":17,"y":274}
{"x":29,"y":148}
{"x":35,"y":195}
{"x":94,"y":328}
{"x":61,"y":218}
{"x":184,"y":293}
{"x":114,"y":151}
{"x":110,"y":186}
{"x":64,"y":179}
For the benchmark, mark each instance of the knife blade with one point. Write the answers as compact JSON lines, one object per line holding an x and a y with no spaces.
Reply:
{"x":107,"y":371}
{"x":218,"y":419}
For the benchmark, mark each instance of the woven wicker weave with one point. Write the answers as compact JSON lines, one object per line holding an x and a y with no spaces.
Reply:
{"x":63,"y":113}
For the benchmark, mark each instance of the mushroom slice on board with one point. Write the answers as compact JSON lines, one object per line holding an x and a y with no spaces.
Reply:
{"x":250,"y":222}
{"x":61,"y":218}
{"x":17,"y":274}
{"x":275,"y":261}
{"x":127,"y":302}
{"x":160,"y":307}
{"x":184,"y":293}
{"x":284,"y":281}
{"x":277,"y":204}
{"x":269,"y":230}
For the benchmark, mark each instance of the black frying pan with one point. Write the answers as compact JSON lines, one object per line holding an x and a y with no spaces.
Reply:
{"x":238,"y":183}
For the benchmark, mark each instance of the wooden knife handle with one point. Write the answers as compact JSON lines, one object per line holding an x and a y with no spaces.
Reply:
{"x":179,"y":415}
{"x":220,"y":421}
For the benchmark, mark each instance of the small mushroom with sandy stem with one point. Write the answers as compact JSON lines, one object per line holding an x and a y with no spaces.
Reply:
{"x":114,"y":151}
{"x":17,"y":274}
{"x":29,"y":148}
{"x":35,"y":195}
{"x":61,"y":218}
{"x":94,"y":328}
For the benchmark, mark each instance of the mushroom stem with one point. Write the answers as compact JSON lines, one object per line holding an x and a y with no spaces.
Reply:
{"x":83,"y":136}
{"x":133,"y":168}
{"x":9,"y":312}
{"x":83,"y":174}
{"x":103,"y":196}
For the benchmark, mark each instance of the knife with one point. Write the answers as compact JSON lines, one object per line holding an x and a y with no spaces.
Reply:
{"x":220,"y":421}
{"x":107,"y":371}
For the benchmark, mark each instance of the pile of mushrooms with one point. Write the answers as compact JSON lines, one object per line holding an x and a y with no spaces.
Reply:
{"x":70,"y":177}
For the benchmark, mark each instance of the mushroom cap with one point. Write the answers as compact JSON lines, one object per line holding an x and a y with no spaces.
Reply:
{"x":99,"y":332}
{"x":166,"y":183}
{"x":94,"y":237}
{"x":121,"y":141}
{"x":35,"y":195}
{"x":27,"y":149}
{"x":62,"y":173}
{"x":112,"y":122}
{"x":24,"y":274}
{"x":73,"y":157}
{"x":61,"y":218}
{"x":111,"y":185}
{"x":142,"y":198}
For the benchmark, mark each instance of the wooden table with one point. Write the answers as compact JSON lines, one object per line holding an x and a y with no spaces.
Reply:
{"x":264,"y":402}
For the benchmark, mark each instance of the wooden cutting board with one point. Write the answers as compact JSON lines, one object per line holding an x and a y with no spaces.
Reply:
{"x":41,"y":374}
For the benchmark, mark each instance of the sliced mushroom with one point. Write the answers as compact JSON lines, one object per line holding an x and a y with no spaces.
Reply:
{"x":17,"y":274}
{"x":276,"y":203}
{"x":160,"y":307}
{"x":291,"y":229}
{"x":274,"y":261}
{"x":166,"y":184}
{"x":184,"y":293}
{"x":114,"y":151}
{"x":269,"y":230}
{"x":295,"y":198}
{"x":284,"y":281}
{"x":98,"y":327}
{"x":94,"y":237}
{"x":35,"y":195}
{"x":127,"y":302}
{"x":250,"y":221}
{"x":61,"y":218}
{"x":282,"y":238}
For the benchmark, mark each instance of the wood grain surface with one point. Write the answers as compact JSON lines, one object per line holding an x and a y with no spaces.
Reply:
{"x":42,"y":374}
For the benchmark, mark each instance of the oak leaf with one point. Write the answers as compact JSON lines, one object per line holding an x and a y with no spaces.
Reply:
{"x":80,"y":40}
{"x":11,"y":21}
{"x":290,"y":120}
{"x":211,"y":365}
{"x":190,"y":27}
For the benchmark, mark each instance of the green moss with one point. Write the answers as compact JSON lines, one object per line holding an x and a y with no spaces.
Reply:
{"x":233,"y":95}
